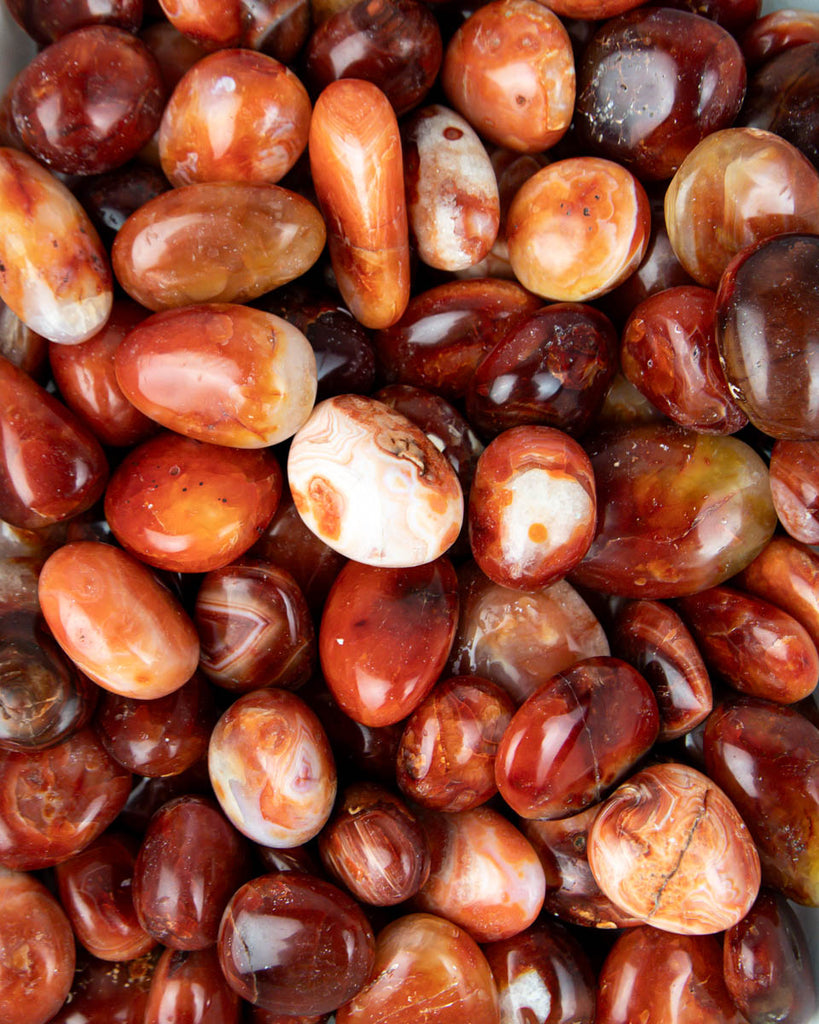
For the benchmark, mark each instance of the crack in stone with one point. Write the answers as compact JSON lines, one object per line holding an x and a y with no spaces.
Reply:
{"x":689,"y":838}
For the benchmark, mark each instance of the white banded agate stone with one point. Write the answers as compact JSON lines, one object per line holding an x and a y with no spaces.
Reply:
{"x":372,"y":486}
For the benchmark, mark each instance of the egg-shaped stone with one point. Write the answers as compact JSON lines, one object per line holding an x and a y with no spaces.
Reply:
{"x":372,"y":486}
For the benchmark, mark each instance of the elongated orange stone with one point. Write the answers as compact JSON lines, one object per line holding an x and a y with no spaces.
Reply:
{"x":355,"y":159}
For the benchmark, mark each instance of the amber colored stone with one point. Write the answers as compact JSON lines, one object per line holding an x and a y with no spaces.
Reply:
{"x":190,"y":862}
{"x":445,"y":978}
{"x":654,"y":975}
{"x":116,"y":622}
{"x":754,"y":750}
{"x":163,"y":736}
{"x":111,"y":197}
{"x":652,"y":83}
{"x":56,"y":276}
{"x":551,"y":368}
{"x":745,"y":184}
{"x":677,"y":511}
{"x":222,"y":373}
{"x":532,"y":507}
{"x":189,"y":986}
{"x":68,"y":121}
{"x":272,"y":769}
{"x":452,"y":194}
{"x":484,"y":874}
{"x":385,"y":636}
{"x":601,"y":214}
{"x":44,"y":697}
{"x":85,"y":375}
{"x":355,"y":160}
{"x":52,"y":466}
{"x":252,"y":24}
{"x":95,"y":890}
{"x":766,"y":333}
{"x":114,"y":992}
{"x":525,"y":105}
{"x":54,"y":802}
{"x":652,"y":637}
{"x":37,"y":966}
{"x":519,"y":640}
{"x":669,"y":847}
{"x":174,"y":52}
{"x":375,"y":846}
{"x":447,"y":330}
{"x":188,"y":506}
{"x":395,"y":44}
{"x":572,"y":893}
{"x":211,"y":124}
{"x":751,"y":644}
{"x":786,"y":573}
{"x":324,"y":944}
{"x":543,"y":974}
{"x":216,"y":242}
{"x":777,"y":31}
{"x":576,"y":736}
{"x":45,"y":21}
{"x":669,"y":351}
{"x":22,"y":346}
{"x":766,"y":962}
{"x":794,"y":472}
{"x":446,"y":757}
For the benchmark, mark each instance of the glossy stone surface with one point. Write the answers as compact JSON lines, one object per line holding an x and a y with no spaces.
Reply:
{"x":446,"y":757}
{"x":519,"y":640}
{"x":190,"y":863}
{"x":324,"y":947}
{"x":447,"y":330}
{"x":542,"y":974}
{"x":37,"y":966}
{"x":272,"y":769}
{"x":385,"y":636}
{"x":532,"y":507}
{"x":184,"y":505}
{"x":95,"y":891}
{"x":111,"y":197}
{"x":216,"y":242}
{"x":44,"y":698}
{"x":188,"y":986}
{"x":736,"y":175}
{"x":358,"y":176}
{"x":766,"y":962}
{"x":677,"y":512}
{"x":375,"y":846}
{"x":427,"y":971}
{"x":56,"y":276}
{"x":118,"y":991}
{"x":652,"y":637}
{"x":484,"y":874}
{"x":575,"y":737}
{"x":215,"y":116}
{"x":754,"y":750}
{"x":90,"y":101}
{"x":794,"y":472}
{"x":44,"y":22}
{"x":486,"y":54}
{"x":766,"y":320}
{"x":751,"y":644}
{"x":158,"y":737}
{"x":255,"y":627}
{"x":684,"y":982}
{"x":116,"y":622}
{"x":452,"y":194}
{"x":54,"y":802}
{"x":87,"y":380}
{"x":220,"y":372}
{"x":394,"y":44}
{"x":600,"y":213}
{"x":22,"y":346}
{"x":786,"y":573}
{"x":572,"y":893}
{"x":652,"y":84}
{"x":552,"y":368}
{"x":777,"y":31}
{"x":669,"y":847}
{"x":669,"y":352}
{"x":371,"y":484}
{"x":216,"y":24}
